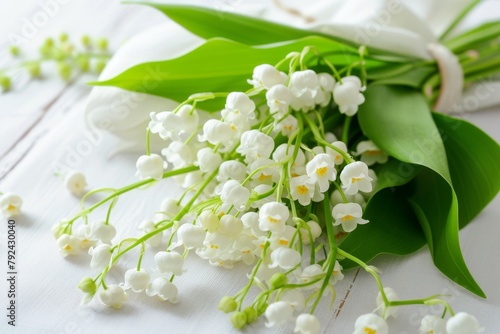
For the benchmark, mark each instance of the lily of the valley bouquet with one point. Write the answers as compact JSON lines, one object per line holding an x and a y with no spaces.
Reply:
{"x":303,"y":153}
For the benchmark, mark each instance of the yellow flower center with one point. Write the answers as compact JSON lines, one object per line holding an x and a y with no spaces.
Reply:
{"x":347,"y":217}
{"x":246,"y":251}
{"x":356,"y":179}
{"x":283,"y":242}
{"x":273,"y":220}
{"x":68,"y":247}
{"x":11,"y":207}
{"x":374,"y":152}
{"x":214,"y":246}
{"x":288,"y":127}
{"x":321,"y":171}
{"x":369,"y":330}
{"x":263,"y":177}
{"x":302,"y":190}
{"x":233,"y":127}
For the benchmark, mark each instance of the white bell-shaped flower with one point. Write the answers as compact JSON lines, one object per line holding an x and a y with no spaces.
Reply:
{"x":101,"y":256}
{"x":348,"y":215}
{"x":307,"y":324}
{"x":68,"y":244}
{"x":278,"y":313}
{"x":324,"y":96}
{"x":336,"y":198}
{"x":216,"y":132}
{"x":230,"y":226}
{"x":179,"y":154}
{"x":312,"y":273}
{"x":137,"y":280}
{"x":240,"y":103}
{"x":305,"y":87}
{"x":164,"y":289}
{"x":114,"y":296}
{"x":169,"y":263}
{"x":321,"y":169}
{"x":355,"y":178}
{"x":463,"y":323}
{"x":260,"y":190}
{"x":232,"y":170}
{"x":279,"y":98}
{"x":208,"y":160}
{"x":255,"y":144}
{"x":189,"y":119}
{"x":191,"y":236}
{"x":150,"y":166}
{"x":251,"y":221}
{"x":166,"y":124}
{"x":266,"y":76}
{"x":295,"y":297}
{"x":391,"y":296}
{"x":234,"y":193}
{"x":347,"y":95}
{"x":287,"y":126}
{"x":10,"y":205}
{"x":314,"y":230}
{"x":102,"y":231}
{"x":75,"y":182}
{"x":432,"y":324}
{"x":285,"y":258}
{"x":370,"y":323}
{"x":302,"y":189}
{"x":84,"y":235}
{"x":337,"y":274}
{"x":370,"y":153}
{"x":273,"y":217}
{"x":338,"y":159}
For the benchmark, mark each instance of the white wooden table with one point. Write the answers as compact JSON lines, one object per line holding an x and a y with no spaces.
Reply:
{"x":41,"y":123}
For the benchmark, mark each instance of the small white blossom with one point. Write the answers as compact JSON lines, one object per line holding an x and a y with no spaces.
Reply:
{"x":75,"y":182}
{"x":260,"y":190}
{"x":432,"y":324}
{"x":285,"y":258}
{"x":234,"y":193}
{"x":278,"y":313}
{"x":166,"y":124}
{"x":255,"y":145}
{"x":336,"y":198}
{"x":232,"y":170}
{"x":391,"y":296}
{"x":307,"y":324}
{"x":237,"y":102}
{"x":10,"y":204}
{"x":101,"y":256}
{"x":283,"y":238}
{"x":370,"y":323}
{"x":169,"y":263}
{"x":150,"y":166}
{"x":295,"y":298}
{"x":355,"y":178}
{"x":370,"y":153}
{"x":189,"y":119}
{"x":164,"y":289}
{"x":348,"y":215}
{"x":148,"y":226}
{"x":230,"y":226}
{"x":191,"y":236}
{"x":324,"y":96}
{"x":338,"y":159}
{"x":251,"y":221}
{"x":273,"y":217}
{"x":102,"y":231}
{"x":114,"y":296}
{"x":337,"y":274}
{"x":265,"y":175}
{"x":84,"y":235}
{"x":463,"y":323}
{"x":302,"y":189}
{"x":68,"y":244}
{"x":209,"y":221}
{"x":278,"y":99}
{"x":136,"y":280}
{"x":305,"y":88}
{"x":179,"y":154}
{"x":208,"y":160}
{"x":266,"y":76}
{"x":287,"y":126}
{"x":314,"y":229}
{"x":321,"y":169}
{"x":312,"y":273}
{"x":216,"y":132}
{"x":347,"y":95}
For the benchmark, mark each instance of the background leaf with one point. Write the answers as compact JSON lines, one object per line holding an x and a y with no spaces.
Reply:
{"x":398,"y":120}
{"x":474,"y":161}
{"x":218,"y":65}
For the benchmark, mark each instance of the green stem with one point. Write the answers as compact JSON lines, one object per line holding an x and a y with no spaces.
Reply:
{"x":148,"y":144}
{"x":458,"y":19}
{"x":345,"y":132}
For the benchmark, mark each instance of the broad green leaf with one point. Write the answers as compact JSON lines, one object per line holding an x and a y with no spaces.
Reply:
{"x":393,"y":226}
{"x":474,"y":161}
{"x":211,"y":23}
{"x":414,"y":77}
{"x":472,"y":38}
{"x":219,"y":65}
{"x":436,"y":207}
{"x":399,"y":121}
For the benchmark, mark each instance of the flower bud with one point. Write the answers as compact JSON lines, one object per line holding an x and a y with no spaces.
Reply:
{"x":239,"y":319}
{"x":227,"y":304}
{"x":278,"y":280}
{"x":251,"y":314}
{"x":87,"y":285}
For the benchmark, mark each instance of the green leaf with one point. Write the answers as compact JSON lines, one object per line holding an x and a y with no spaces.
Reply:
{"x":393,"y":226}
{"x":219,"y":65}
{"x":211,"y":23}
{"x":399,"y":121}
{"x":436,"y":206}
{"x":414,"y":76}
{"x":474,"y":37}
{"x":474,"y":161}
